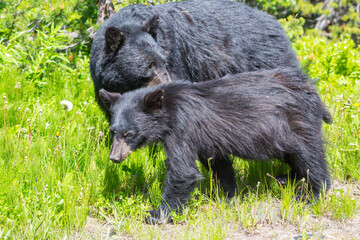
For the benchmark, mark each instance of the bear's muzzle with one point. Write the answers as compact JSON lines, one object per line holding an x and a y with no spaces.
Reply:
{"x":119,"y":150}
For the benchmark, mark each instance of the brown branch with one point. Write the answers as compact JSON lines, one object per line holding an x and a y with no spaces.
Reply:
{"x":37,"y":22}
{"x":68,"y":47}
{"x":18,"y":4}
{"x":77,"y":5}
{"x":105,"y":10}
{"x":323,"y":21}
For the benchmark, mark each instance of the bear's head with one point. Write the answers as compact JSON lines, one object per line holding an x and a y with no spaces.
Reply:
{"x":137,"y":118}
{"x":132,"y":57}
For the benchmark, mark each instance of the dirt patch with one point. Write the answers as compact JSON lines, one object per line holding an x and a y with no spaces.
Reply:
{"x":316,"y":227}
{"x":94,"y":229}
{"x":324,"y":227}
{"x":320,"y":229}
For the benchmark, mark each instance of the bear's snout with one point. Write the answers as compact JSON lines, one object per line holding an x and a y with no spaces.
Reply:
{"x":119,"y":150}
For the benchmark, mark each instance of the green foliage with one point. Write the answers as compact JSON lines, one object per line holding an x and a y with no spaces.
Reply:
{"x":25,"y":15}
{"x":342,"y":205}
{"x":37,"y":36}
{"x":275,"y":7}
{"x":334,"y":18}
{"x":293,"y":27}
{"x":336,"y":67}
{"x":343,"y":15}
{"x":43,"y":181}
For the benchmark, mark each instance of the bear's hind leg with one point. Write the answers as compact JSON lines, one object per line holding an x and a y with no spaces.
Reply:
{"x":310,"y":164}
{"x":223,"y":172}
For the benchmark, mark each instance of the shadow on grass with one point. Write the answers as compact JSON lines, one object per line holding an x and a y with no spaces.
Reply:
{"x":137,"y":174}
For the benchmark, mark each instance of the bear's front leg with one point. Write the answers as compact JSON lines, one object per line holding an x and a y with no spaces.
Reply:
{"x":181,"y":178}
{"x":158,"y":217}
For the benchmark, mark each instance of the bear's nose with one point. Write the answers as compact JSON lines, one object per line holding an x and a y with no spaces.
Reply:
{"x":119,"y":150}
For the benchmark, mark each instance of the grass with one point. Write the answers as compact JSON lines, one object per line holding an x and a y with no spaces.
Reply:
{"x":55,"y":172}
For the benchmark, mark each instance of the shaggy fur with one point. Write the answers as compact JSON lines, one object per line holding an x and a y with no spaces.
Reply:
{"x":258,"y":115}
{"x":196,"y":41}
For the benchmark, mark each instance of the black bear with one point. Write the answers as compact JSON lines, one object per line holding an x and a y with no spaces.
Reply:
{"x":192,"y":40}
{"x":258,"y":115}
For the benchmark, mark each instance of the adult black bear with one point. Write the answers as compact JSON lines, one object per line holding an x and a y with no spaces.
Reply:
{"x":258,"y":115}
{"x":196,"y":41}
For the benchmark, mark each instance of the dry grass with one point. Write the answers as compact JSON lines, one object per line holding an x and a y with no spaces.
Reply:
{"x":310,"y":227}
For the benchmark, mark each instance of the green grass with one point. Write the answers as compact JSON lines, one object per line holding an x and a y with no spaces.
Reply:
{"x":55,"y":171}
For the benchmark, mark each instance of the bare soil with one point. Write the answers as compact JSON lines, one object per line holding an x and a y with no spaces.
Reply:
{"x":324,"y":227}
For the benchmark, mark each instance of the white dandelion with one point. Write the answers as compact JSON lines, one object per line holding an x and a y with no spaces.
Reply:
{"x":101,"y":134}
{"x":67,"y":105}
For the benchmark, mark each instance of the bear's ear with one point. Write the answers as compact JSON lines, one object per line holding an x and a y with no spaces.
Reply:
{"x":108,"y":98}
{"x":113,"y":39}
{"x":154,"y":100}
{"x":152,"y":25}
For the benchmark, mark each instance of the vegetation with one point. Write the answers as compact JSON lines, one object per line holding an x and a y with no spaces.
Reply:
{"x":330,"y":18}
{"x":54,"y":166}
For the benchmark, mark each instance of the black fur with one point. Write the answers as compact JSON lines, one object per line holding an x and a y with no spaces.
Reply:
{"x":258,"y":115}
{"x":196,"y":41}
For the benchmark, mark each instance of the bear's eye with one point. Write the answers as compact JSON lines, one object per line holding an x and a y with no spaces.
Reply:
{"x":127,"y":134}
{"x":151,"y":66}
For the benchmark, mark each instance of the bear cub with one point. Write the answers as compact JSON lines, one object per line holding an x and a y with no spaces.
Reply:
{"x":259,"y":115}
